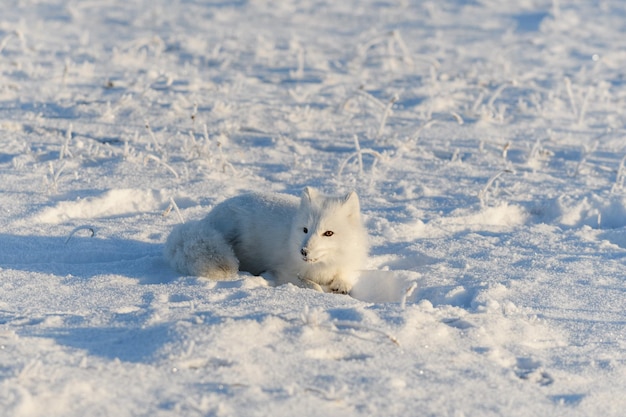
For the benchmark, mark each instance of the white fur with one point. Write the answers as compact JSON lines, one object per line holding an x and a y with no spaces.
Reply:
{"x":265,"y":233}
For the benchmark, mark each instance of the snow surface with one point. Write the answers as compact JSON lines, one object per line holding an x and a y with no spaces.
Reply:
{"x":485,"y":139}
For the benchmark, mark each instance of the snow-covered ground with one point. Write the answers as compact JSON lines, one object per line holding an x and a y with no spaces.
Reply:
{"x":493,"y":183}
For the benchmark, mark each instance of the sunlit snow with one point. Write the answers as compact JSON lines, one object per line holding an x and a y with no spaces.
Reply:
{"x":486,"y":140}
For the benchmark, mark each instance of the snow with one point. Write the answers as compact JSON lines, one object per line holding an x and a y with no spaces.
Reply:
{"x":485,"y":140}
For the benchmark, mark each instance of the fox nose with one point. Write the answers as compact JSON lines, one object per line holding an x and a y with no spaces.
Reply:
{"x":304,"y":252}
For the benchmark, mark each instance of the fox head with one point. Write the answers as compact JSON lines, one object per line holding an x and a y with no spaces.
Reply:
{"x":328,"y":230}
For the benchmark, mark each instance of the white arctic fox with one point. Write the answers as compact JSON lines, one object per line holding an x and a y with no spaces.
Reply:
{"x":315,"y":241}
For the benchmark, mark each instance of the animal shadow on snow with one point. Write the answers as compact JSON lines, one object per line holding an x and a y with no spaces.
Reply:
{"x":85,"y":257}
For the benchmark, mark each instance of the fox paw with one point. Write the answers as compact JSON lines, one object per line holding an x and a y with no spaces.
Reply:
{"x":307,"y":283}
{"x":337,"y":286}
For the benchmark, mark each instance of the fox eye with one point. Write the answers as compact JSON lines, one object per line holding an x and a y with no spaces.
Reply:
{"x":305,"y":230}
{"x":328,"y":233}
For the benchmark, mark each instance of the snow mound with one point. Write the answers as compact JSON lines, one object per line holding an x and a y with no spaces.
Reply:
{"x":501,"y":216}
{"x":116,"y":202}
{"x":384,"y":286}
{"x":597,"y":211}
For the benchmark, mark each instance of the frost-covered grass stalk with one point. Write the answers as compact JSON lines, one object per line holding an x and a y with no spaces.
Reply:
{"x":5,"y":41}
{"x":361,"y":50}
{"x":586,"y":151}
{"x":412,"y":140}
{"x":197,"y":148}
{"x":110,"y":111}
{"x":407,"y":293}
{"x":620,"y":177}
{"x":91,"y":229}
{"x":579,"y":113}
{"x":360,"y":92}
{"x":383,"y":120}
{"x":406,"y":55}
{"x":457,"y":117}
{"x":194,"y":148}
{"x":65,"y":148}
{"x":416,"y":136}
{"x":496,"y":112}
{"x":358,"y":154}
{"x":434,"y":91}
{"x":223,"y":161}
{"x":205,"y":130}
{"x":15,"y":34}
{"x":570,"y":95}
{"x":495,"y":95}
{"x":505,"y":150}
{"x":534,"y":151}
{"x":55,"y":175}
{"x":390,"y":41}
{"x":483,"y":195}
{"x":478,"y":102}
{"x":174,"y":206}
{"x":126,"y":150}
{"x":157,"y":147}
{"x":160,"y":162}
{"x":583,"y":106}
{"x":194,"y":113}
{"x":66,"y":70}
{"x":390,"y":63}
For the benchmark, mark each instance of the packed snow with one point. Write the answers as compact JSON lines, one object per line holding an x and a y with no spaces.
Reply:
{"x":486,"y":141}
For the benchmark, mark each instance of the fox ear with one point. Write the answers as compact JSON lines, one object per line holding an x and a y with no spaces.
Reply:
{"x":351,"y":202}
{"x":309,"y":194}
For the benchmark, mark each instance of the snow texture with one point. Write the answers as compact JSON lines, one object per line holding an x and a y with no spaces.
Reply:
{"x":485,"y":140}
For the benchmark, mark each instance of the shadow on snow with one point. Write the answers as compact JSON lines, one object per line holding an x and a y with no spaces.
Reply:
{"x":85,"y":257}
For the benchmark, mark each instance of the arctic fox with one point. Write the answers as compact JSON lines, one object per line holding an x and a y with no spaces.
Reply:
{"x":316,"y":241}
